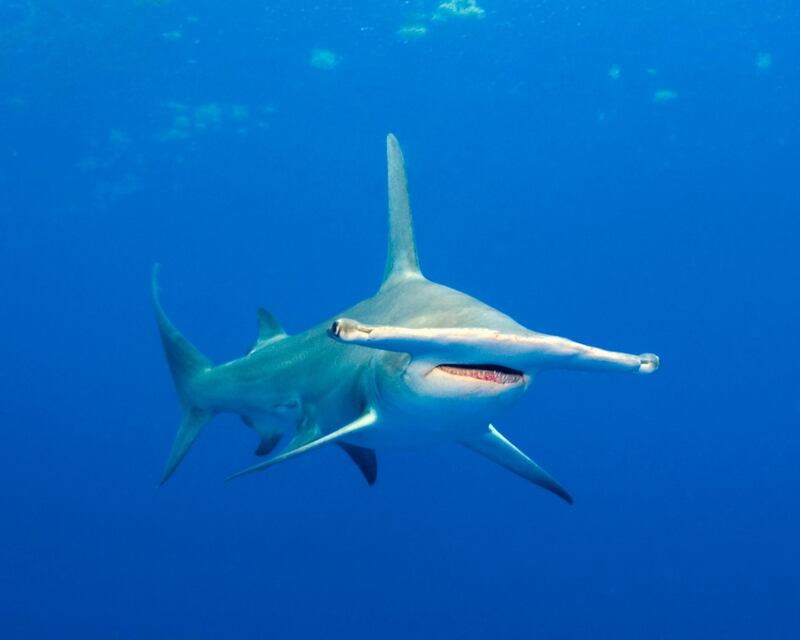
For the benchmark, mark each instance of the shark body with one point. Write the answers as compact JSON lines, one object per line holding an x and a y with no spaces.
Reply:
{"x":416,"y":364}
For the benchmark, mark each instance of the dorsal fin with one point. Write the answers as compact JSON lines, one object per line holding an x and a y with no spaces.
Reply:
{"x":268,"y":325}
{"x":269,"y":329}
{"x":401,"y":261}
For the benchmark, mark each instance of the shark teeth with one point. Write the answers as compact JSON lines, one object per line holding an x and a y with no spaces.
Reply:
{"x":485,"y":372}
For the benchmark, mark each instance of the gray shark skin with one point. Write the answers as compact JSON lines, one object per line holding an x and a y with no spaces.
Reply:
{"x":416,"y":364}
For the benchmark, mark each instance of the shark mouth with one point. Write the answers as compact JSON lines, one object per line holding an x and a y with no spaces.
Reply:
{"x":495,"y":373}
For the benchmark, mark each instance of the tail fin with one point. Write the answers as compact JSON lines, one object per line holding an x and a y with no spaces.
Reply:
{"x":185,"y":363}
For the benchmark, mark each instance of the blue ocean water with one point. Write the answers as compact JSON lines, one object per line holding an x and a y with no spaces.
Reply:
{"x":621,"y":173}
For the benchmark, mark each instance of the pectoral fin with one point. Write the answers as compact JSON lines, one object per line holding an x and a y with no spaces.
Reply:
{"x":494,"y":446}
{"x":364,"y":422}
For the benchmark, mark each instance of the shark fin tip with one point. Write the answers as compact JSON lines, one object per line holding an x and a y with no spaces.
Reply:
{"x":238,"y":474}
{"x":154,"y":274}
{"x":165,"y":477}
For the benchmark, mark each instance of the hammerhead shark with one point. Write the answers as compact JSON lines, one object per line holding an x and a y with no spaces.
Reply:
{"x":416,"y":364}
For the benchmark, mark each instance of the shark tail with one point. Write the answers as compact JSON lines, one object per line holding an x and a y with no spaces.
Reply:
{"x":186,"y":364}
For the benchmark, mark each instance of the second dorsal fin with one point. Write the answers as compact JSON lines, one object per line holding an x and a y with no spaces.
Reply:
{"x":401,"y":260}
{"x":269,"y":329}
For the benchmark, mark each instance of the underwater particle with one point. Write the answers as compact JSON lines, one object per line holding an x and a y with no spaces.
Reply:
{"x":181,"y":122}
{"x":18,"y":20}
{"x":458,"y":9}
{"x":239,"y":112}
{"x":663,"y":96}
{"x":190,"y":121}
{"x":118,"y":138}
{"x":207,"y":115}
{"x":763,"y":61}
{"x":16,"y":102}
{"x":264,"y":116}
{"x":173,"y":35}
{"x":88,"y":163}
{"x":324,"y":59}
{"x":176,"y":133}
{"x":410,"y":32}
{"x":107,"y":192}
{"x":614,"y":72}
{"x":16,"y":14}
{"x":652,"y":71}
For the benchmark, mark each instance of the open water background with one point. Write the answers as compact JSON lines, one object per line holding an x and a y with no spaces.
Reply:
{"x":621,"y":173}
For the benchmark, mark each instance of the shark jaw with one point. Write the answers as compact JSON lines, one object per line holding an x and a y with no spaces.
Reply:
{"x":487,"y":373}
{"x":459,"y":386}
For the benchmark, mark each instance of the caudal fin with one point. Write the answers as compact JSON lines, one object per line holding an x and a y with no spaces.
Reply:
{"x":185,"y":363}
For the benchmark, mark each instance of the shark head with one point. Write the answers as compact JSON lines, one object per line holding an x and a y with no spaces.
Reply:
{"x":450,"y":350}
{"x":474,"y":369}
{"x":435,"y":371}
